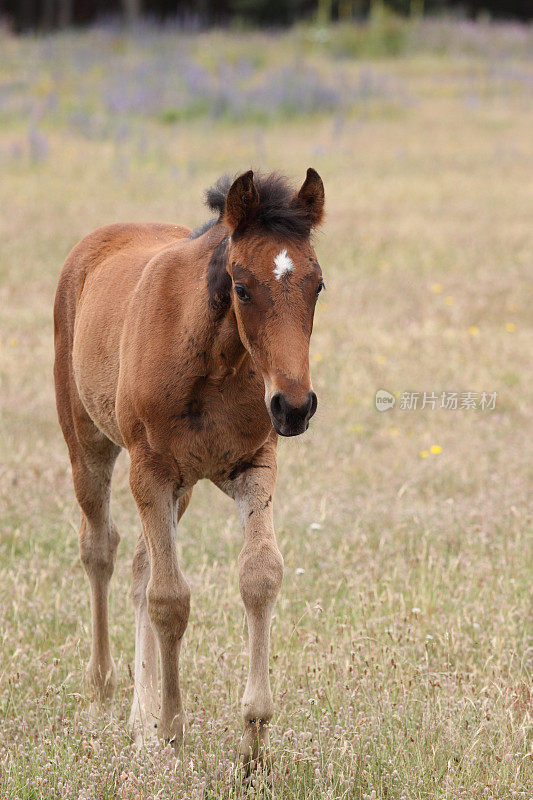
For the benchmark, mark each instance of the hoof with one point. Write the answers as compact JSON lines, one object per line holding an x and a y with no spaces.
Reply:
{"x":176,"y":741}
{"x":254,"y":747}
{"x":176,"y":735}
{"x":100,"y":711}
{"x":101,"y":686}
{"x":147,"y":729}
{"x":144,"y":735}
{"x":144,"y":723}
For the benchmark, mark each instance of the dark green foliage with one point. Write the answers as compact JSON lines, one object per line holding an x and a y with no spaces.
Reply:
{"x":271,"y":12}
{"x":193,"y":13}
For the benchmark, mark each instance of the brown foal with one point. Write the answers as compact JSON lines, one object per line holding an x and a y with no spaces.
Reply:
{"x":190,"y":349}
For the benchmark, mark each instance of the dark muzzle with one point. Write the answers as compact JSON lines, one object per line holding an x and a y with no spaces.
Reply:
{"x":288,"y":419}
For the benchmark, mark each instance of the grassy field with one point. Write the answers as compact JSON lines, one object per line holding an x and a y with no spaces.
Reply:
{"x":400,"y":641}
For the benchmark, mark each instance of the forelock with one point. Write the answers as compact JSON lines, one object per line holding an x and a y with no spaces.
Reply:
{"x":277,"y":213}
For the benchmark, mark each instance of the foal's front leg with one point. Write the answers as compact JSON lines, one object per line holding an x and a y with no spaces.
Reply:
{"x":146,"y":711}
{"x":260,"y":576}
{"x":167,"y":592}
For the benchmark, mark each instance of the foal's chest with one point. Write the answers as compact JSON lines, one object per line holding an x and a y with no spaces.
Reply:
{"x":221,"y":424}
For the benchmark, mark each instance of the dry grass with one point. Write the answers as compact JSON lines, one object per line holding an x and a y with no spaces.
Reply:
{"x":400,"y":641}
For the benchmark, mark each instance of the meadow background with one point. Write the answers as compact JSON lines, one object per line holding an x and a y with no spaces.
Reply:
{"x":400,"y":660}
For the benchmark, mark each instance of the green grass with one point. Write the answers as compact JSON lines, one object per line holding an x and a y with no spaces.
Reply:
{"x":401,"y":638}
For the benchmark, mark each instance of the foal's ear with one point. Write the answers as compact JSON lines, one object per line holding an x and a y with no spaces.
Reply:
{"x":242,"y":202}
{"x":311,"y":197}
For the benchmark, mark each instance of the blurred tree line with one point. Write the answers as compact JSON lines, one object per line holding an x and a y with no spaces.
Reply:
{"x":50,"y":14}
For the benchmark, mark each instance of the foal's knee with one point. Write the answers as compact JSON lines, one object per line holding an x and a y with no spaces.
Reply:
{"x":98,"y":548}
{"x":260,"y":574}
{"x":169,"y":609}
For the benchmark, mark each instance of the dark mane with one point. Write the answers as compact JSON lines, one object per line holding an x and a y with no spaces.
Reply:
{"x":277,"y":214}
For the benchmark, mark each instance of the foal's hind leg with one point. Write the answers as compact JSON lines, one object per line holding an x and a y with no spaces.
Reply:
{"x":145,"y":709}
{"x":92,"y":469}
{"x":145,"y":712}
{"x":93,"y":457}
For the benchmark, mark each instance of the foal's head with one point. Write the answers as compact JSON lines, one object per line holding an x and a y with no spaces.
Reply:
{"x":275,"y":283}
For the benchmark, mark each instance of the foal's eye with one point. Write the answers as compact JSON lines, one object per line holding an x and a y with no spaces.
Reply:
{"x":242,"y":293}
{"x":319,"y":288}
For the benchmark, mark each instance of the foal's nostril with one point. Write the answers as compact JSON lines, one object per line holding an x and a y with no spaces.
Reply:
{"x":292,"y":416}
{"x":277,"y":406}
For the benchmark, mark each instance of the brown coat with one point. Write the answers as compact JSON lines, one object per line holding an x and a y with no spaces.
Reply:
{"x":192,"y":351}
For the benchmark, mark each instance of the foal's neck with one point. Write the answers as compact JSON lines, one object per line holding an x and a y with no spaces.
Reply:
{"x":226,"y":353}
